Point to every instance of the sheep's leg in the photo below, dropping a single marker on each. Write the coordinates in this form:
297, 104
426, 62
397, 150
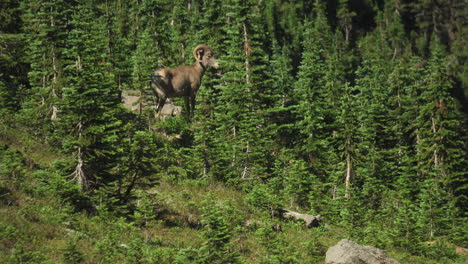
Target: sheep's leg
161, 102
187, 106
192, 101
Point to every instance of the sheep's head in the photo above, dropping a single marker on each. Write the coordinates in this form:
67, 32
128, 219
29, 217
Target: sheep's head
205, 55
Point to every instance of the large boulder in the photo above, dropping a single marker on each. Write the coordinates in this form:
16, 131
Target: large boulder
349, 252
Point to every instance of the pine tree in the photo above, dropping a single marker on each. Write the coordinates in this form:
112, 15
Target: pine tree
349, 138
13, 76
389, 22
240, 107
280, 118
115, 17
46, 24
404, 83
218, 247
145, 62
140, 161
234, 90
178, 35
88, 123
285, 22
207, 26
345, 17
313, 109
374, 115
440, 152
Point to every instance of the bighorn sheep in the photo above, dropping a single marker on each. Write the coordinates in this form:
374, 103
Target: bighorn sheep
183, 81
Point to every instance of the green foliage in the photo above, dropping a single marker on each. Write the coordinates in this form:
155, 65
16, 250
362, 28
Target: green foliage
145, 211
354, 110
276, 249
71, 253
12, 169
22, 255
263, 197
218, 247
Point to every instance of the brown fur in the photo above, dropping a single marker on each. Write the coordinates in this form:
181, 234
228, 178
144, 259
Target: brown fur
183, 81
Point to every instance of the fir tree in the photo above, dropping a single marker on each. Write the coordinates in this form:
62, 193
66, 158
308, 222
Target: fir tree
349, 139
89, 125
313, 103
115, 17
145, 62
345, 17
46, 24
207, 27
440, 152
241, 122
218, 247
13, 68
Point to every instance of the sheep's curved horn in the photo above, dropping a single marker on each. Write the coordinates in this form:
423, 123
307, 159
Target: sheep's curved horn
198, 51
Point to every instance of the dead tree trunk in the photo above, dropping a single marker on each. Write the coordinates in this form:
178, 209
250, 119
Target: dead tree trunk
348, 175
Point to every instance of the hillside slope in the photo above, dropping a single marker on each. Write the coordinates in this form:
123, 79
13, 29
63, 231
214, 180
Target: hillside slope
45, 219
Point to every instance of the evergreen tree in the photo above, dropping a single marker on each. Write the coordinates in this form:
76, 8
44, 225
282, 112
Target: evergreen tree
13, 76
240, 108
354, 110
120, 45
145, 62
345, 18
285, 22
389, 22
404, 83
314, 109
207, 27
217, 248
88, 124
349, 138
280, 117
374, 116
440, 153
47, 25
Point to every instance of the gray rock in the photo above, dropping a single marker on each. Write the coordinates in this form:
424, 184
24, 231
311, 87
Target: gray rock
170, 109
309, 220
133, 101
349, 252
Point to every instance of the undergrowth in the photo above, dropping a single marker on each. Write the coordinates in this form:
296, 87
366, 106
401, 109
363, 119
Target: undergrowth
43, 219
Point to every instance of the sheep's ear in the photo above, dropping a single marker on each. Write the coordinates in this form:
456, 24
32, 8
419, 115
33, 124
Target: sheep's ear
200, 53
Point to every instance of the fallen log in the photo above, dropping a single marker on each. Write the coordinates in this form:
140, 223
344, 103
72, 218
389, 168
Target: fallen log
309, 220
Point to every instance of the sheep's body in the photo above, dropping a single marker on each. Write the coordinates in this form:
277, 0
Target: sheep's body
183, 81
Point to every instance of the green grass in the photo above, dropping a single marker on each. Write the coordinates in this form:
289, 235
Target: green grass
34, 151
40, 230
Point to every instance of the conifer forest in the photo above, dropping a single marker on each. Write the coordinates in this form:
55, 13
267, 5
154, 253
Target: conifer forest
354, 110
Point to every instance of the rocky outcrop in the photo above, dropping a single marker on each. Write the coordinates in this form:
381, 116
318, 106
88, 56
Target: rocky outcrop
349, 252
133, 101
309, 220
170, 109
